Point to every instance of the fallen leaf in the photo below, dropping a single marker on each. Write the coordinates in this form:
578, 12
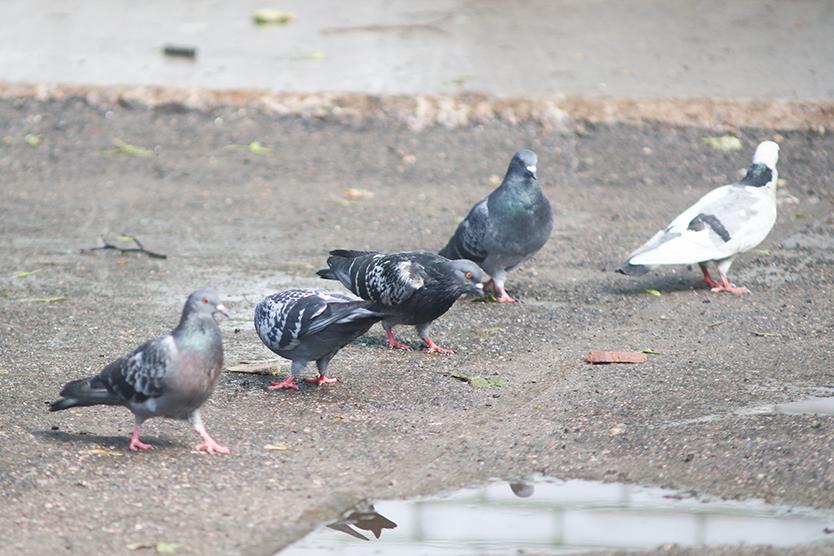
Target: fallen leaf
4, 372
650, 351
26, 274
764, 334
272, 16
279, 447
479, 381
614, 431
605, 357
168, 547
762, 251
33, 140
653, 292
723, 142
494, 180
131, 150
268, 369
126, 238
256, 148
489, 331
53, 299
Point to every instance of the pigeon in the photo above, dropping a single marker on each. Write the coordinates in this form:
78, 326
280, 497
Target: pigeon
414, 287
723, 223
311, 325
507, 227
170, 376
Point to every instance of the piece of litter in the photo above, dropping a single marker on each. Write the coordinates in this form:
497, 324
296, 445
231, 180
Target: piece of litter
356, 193
268, 369
723, 142
650, 351
279, 447
614, 431
180, 51
272, 16
606, 357
764, 334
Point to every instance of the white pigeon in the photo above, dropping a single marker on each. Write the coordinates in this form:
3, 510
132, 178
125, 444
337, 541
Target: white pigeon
723, 223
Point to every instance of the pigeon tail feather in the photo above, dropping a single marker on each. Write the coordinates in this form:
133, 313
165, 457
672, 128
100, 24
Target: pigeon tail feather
81, 393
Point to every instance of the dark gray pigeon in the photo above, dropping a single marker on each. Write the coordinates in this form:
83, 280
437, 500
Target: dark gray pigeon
170, 376
311, 325
414, 287
726, 221
508, 227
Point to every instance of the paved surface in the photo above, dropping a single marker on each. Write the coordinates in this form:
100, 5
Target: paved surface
396, 424
644, 48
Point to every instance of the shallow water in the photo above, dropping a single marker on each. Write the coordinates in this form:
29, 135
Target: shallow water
559, 517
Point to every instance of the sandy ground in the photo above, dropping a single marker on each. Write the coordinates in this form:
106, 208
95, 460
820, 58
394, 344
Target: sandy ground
396, 424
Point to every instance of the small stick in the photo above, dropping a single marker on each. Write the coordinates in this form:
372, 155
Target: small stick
138, 249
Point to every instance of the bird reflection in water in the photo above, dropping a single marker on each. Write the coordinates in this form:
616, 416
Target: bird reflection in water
366, 519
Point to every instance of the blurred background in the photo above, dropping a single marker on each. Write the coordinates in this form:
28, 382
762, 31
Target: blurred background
644, 48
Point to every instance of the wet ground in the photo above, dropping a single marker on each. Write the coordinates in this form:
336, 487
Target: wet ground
532, 48
396, 425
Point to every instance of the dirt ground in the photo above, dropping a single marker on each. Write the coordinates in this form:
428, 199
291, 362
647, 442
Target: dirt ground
396, 424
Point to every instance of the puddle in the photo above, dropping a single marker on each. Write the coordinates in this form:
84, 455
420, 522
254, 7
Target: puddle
561, 517
823, 406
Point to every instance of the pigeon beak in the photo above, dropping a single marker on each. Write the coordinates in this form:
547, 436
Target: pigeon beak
222, 310
532, 170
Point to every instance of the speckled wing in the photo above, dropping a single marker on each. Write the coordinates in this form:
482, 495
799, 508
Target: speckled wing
388, 279
468, 240
141, 374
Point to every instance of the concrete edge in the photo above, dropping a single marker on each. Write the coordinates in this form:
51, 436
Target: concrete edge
424, 111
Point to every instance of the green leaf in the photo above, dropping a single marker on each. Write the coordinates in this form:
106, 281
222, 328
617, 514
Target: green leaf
53, 299
650, 351
125, 237
762, 251
4, 372
26, 274
479, 381
272, 16
131, 150
654, 293
723, 142
168, 547
257, 148
33, 140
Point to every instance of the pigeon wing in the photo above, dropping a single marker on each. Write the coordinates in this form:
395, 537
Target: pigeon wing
468, 241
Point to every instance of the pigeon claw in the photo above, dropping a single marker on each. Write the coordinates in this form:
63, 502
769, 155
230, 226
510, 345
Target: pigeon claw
434, 348
726, 286
286, 384
394, 344
137, 445
321, 379
504, 297
209, 446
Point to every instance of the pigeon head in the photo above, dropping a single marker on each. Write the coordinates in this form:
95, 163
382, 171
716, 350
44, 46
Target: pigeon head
763, 171
767, 153
469, 277
523, 164
204, 302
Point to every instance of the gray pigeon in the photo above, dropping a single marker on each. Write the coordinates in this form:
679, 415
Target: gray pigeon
723, 223
413, 287
311, 325
508, 227
170, 376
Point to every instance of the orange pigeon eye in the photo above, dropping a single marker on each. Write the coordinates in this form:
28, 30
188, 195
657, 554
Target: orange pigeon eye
205, 300
468, 275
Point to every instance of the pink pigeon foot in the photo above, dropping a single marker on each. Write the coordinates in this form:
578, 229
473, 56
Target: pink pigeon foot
434, 348
504, 297
393, 343
711, 283
321, 379
726, 286
135, 444
209, 446
287, 383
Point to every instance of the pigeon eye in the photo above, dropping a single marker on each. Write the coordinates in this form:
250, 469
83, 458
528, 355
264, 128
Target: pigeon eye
205, 300
468, 275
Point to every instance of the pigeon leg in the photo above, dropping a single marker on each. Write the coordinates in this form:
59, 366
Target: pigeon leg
423, 331
136, 444
392, 341
209, 445
726, 286
322, 364
289, 382
504, 297
711, 283
498, 285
